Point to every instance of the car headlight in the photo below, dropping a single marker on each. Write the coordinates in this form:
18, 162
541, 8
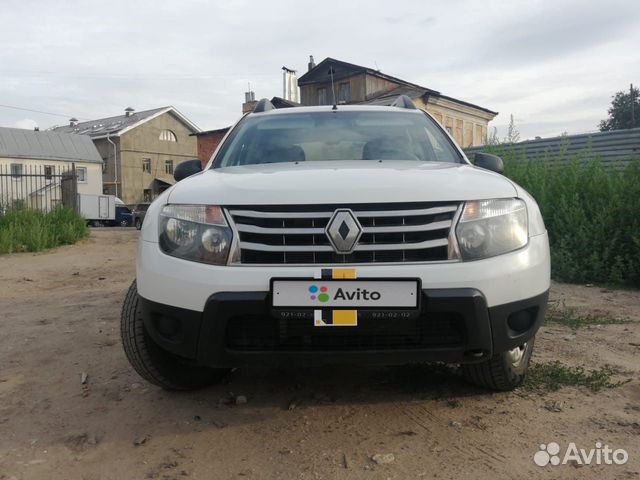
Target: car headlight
195, 232
492, 227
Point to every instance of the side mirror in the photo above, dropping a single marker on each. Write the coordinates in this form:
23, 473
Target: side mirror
489, 162
186, 169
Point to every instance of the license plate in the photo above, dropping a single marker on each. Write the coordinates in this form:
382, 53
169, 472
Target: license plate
345, 294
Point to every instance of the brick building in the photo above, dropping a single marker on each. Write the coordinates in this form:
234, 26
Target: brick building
208, 142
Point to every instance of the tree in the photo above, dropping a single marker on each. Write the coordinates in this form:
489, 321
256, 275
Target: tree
620, 111
513, 135
493, 137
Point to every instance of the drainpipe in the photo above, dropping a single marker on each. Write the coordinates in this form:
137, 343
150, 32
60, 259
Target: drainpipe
115, 163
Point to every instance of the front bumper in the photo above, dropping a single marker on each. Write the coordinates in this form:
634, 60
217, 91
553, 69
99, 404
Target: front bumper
502, 279
239, 328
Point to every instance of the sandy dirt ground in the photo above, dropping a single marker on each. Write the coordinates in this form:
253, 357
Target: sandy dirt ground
59, 317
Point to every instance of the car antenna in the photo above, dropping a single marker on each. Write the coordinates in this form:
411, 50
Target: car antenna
333, 89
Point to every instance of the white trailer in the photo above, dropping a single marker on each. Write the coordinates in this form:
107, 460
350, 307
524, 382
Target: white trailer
97, 209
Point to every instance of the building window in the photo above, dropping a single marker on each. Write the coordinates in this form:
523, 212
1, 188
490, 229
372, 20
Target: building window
168, 166
146, 194
146, 165
168, 136
344, 92
81, 174
48, 172
16, 170
322, 96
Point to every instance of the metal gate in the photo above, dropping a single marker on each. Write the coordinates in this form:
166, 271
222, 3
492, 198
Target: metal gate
38, 187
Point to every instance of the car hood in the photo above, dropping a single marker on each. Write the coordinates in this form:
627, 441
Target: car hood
341, 182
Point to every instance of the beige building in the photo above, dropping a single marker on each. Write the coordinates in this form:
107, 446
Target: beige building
33, 164
466, 122
140, 150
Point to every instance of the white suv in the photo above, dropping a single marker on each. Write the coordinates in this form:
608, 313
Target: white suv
344, 234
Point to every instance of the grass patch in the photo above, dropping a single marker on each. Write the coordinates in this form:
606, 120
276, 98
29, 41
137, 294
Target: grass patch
34, 231
569, 318
591, 213
551, 376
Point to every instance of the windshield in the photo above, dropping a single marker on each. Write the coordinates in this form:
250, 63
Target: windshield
347, 135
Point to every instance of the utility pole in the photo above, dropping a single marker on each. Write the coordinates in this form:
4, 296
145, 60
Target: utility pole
633, 104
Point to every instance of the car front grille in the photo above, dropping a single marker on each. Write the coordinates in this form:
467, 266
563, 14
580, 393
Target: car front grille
392, 233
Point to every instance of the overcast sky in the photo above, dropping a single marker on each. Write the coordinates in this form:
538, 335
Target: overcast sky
553, 64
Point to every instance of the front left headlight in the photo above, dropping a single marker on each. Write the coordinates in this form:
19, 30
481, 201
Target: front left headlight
492, 227
199, 233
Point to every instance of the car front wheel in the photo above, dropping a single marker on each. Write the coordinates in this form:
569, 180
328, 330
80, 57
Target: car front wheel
138, 224
504, 371
154, 364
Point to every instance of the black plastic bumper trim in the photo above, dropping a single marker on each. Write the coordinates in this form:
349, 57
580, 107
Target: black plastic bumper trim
201, 335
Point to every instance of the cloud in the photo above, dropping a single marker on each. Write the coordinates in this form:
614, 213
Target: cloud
26, 123
536, 61
551, 30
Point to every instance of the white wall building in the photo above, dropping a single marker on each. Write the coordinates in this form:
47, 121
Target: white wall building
32, 164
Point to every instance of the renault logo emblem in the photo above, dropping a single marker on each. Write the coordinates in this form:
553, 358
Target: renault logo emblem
343, 231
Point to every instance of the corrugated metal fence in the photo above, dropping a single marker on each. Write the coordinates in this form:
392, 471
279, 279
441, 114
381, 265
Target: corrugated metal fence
615, 148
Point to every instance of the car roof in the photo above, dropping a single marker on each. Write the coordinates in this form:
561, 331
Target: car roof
339, 108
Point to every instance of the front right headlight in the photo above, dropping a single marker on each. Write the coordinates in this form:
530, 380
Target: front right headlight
492, 227
199, 233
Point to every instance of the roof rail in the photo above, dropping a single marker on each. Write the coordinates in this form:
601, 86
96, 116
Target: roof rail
264, 105
403, 101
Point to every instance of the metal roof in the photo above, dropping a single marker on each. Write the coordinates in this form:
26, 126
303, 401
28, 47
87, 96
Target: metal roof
204, 133
47, 145
346, 69
340, 108
121, 123
387, 98
319, 74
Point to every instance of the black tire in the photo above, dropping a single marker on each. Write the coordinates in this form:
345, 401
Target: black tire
152, 362
138, 224
500, 372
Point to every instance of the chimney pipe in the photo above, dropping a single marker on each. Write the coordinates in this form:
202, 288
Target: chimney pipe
249, 101
312, 64
73, 121
129, 111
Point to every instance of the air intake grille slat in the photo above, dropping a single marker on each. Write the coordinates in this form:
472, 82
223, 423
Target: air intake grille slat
391, 233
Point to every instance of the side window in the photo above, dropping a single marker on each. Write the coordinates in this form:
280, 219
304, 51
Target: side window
81, 174
146, 165
168, 166
168, 136
16, 170
48, 172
